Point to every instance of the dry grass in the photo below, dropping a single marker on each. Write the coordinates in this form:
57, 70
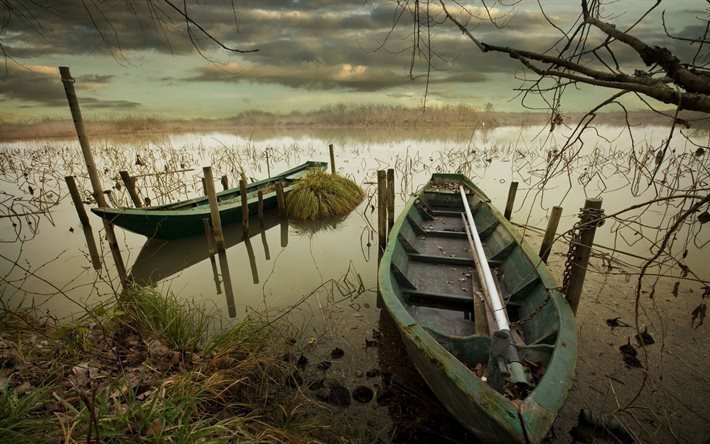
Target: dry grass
320, 195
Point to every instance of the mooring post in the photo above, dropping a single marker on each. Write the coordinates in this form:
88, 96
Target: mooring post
381, 212
227, 281
85, 224
130, 183
204, 186
280, 198
332, 159
209, 236
589, 219
245, 202
214, 208
260, 196
546, 245
225, 182
511, 200
390, 199
68, 83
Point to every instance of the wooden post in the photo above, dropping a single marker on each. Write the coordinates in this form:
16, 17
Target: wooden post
583, 250
252, 259
245, 202
390, 199
204, 186
209, 236
381, 212
86, 225
511, 200
130, 184
549, 238
68, 82
284, 232
225, 182
280, 198
332, 159
227, 280
214, 208
267, 253
260, 195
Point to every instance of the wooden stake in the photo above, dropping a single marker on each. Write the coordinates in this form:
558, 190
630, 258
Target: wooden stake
260, 195
130, 183
214, 208
280, 198
227, 280
511, 200
252, 259
210, 238
225, 182
582, 252
549, 238
68, 82
284, 232
381, 212
204, 186
245, 202
332, 159
390, 199
81, 211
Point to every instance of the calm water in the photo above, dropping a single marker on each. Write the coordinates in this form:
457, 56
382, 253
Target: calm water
326, 274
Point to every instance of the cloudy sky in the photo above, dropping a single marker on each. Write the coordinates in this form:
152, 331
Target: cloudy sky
135, 57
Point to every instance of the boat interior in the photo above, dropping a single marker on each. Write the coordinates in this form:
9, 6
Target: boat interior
437, 278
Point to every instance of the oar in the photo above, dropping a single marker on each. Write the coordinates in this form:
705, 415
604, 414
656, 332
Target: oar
502, 340
481, 306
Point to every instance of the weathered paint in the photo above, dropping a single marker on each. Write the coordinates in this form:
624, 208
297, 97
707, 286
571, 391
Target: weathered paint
181, 219
485, 412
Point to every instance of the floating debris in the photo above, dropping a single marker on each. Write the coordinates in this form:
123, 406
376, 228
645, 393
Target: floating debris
363, 394
338, 395
616, 323
324, 365
629, 355
645, 337
337, 353
594, 427
302, 362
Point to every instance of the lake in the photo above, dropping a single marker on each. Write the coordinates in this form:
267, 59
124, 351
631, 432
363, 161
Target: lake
324, 275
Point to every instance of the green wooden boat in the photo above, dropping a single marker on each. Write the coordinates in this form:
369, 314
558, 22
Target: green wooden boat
185, 218
432, 289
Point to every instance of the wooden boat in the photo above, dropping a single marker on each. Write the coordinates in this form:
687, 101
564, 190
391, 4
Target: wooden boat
432, 288
185, 218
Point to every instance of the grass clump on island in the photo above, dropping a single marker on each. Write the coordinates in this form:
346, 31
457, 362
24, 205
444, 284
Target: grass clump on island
320, 195
146, 369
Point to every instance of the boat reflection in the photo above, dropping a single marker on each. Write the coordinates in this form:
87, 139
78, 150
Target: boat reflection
160, 259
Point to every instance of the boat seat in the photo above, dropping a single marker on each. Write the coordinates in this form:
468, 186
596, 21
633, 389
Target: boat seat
438, 300
470, 350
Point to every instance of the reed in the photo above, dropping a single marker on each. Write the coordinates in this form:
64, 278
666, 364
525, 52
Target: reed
147, 368
320, 195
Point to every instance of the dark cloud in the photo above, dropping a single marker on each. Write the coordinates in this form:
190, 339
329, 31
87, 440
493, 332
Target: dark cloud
40, 86
308, 75
351, 45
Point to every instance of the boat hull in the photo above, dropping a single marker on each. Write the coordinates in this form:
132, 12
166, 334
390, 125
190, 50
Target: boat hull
427, 286
186, 218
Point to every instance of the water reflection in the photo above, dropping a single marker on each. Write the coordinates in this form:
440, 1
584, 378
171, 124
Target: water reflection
159, 259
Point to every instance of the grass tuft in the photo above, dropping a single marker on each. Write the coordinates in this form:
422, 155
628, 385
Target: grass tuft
320, 195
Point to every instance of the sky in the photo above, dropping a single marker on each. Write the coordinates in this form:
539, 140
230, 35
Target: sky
135, 58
